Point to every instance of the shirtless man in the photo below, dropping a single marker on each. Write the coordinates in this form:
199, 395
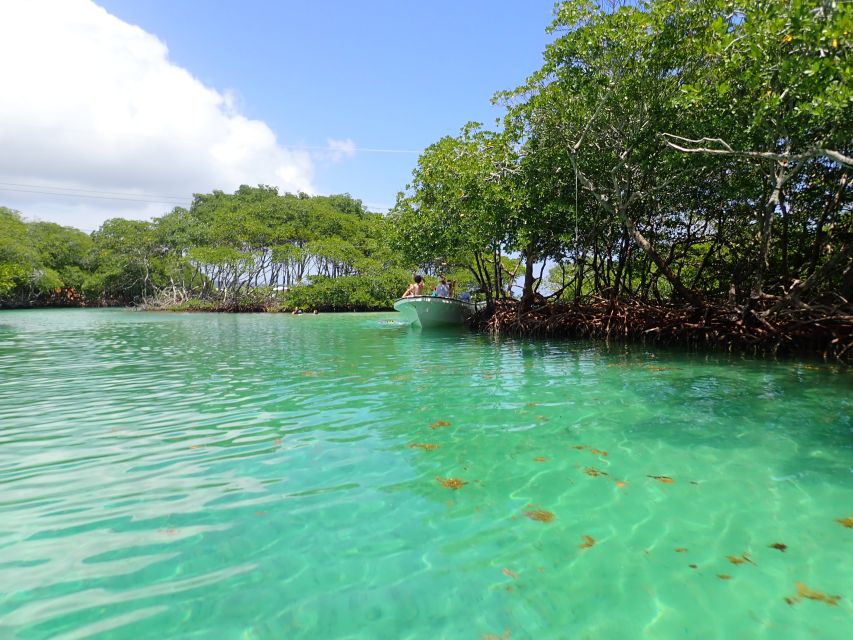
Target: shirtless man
416, 288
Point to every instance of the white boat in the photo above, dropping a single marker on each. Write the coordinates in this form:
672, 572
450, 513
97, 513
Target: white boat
432, 311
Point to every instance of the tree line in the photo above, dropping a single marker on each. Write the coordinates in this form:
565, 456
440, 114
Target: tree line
251, 249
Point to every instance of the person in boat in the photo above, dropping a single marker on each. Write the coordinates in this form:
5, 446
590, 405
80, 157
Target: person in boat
416, 288
442, 290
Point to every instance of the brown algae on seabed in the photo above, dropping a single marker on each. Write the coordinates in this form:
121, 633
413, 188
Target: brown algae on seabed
540, 515
741, 559
592, 450
588, 542
438, 424
426, 446
451, 483
804, 592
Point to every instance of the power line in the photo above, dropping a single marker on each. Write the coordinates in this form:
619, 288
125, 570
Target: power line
78, 195
347, 149
98, 191
295, 147
376, 207
148, 198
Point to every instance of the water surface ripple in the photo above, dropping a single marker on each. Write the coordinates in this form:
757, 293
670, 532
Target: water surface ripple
270, 476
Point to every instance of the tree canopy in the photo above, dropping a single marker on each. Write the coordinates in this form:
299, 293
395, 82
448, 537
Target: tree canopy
683, 150
255, 244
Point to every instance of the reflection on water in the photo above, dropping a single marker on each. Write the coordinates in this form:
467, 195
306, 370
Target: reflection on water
265, 476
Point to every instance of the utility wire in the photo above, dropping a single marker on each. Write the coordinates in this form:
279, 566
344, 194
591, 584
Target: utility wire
100, 192
78, 195
290, 147
147, 198
348, 149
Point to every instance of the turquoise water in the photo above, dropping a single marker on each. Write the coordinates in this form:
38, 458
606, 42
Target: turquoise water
252, 476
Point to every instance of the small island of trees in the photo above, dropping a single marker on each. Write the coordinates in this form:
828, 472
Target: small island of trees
676, 170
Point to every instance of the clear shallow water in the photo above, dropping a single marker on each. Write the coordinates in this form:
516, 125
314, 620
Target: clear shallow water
251, 476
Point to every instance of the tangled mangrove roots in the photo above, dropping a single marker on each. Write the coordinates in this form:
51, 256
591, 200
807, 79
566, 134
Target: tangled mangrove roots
822, 330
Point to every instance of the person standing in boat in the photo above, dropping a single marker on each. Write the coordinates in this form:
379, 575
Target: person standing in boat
416, 288
442, 290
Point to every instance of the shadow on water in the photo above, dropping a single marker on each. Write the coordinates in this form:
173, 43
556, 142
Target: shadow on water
734, 403
723, 402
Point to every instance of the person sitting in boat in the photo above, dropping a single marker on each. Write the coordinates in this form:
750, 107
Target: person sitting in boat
416, 288
442, 290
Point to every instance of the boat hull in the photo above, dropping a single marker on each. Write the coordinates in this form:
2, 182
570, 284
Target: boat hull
429, 311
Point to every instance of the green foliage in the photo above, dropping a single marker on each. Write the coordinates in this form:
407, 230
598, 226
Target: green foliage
348, 293
458, 210
227, 251
39, 259
63, 249
11, 275
666, 149
779, 71
16, 255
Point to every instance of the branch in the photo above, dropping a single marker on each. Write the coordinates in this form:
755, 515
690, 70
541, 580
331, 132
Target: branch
838, 157
598, 107
801, 287
724, 149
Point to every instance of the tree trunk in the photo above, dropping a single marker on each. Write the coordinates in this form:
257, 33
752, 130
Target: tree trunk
645, 245
826, 219
527, 288
620, 266
781, 176
621, 210
579, 268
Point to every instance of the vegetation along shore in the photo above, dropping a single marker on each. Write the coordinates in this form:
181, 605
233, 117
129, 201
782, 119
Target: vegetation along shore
677, 172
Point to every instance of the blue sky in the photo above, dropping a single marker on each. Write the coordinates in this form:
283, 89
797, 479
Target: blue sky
385, 74
370, 75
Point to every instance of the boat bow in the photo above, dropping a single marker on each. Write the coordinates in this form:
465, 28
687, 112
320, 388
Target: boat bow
432, 311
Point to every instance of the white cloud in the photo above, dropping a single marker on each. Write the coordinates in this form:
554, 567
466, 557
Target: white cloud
91, 102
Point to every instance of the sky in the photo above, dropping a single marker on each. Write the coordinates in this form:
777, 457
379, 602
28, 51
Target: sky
122, 108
